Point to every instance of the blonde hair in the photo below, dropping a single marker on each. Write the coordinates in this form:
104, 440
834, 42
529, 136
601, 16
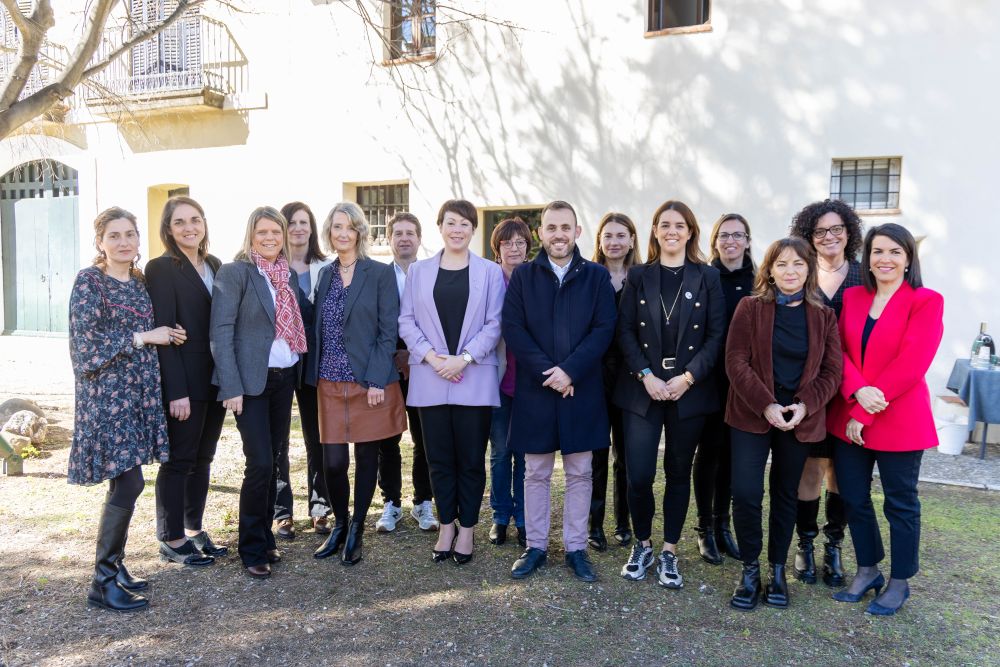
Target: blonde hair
359, 223
101, 222
258, 214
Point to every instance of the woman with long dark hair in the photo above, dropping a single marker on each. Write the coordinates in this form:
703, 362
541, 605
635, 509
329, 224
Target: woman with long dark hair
119, 423
670, 328
730, 254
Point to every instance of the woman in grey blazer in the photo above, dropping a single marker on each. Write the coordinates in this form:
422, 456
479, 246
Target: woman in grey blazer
357, 385
257, 338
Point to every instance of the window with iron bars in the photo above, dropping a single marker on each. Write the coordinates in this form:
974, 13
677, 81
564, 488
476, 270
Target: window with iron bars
666, 14
380, 203
412, 28
867, 183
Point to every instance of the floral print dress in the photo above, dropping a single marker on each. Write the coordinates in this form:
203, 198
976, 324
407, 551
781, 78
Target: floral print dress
120, 422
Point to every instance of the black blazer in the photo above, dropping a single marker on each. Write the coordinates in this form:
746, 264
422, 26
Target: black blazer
371, 316
701, 331
180, 297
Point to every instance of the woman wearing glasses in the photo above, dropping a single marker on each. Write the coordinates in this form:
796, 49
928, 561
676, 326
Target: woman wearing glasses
834, 230
730, 254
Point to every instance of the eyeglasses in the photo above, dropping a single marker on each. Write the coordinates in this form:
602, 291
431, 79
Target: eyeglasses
519, 244
736, 236
821, 232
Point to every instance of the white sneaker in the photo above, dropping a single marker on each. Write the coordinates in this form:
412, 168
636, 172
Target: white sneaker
424, 514
667, 573
640, 560
390, 517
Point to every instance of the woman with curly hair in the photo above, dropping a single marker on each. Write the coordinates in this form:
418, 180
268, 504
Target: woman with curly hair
834, 231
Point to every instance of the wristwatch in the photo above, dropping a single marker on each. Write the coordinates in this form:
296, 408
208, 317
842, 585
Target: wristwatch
641, 375
466, 356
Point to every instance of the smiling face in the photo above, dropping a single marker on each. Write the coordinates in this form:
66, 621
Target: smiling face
830, 237
513, 252
616, 241
267, 239
120, 242
558, 232
888, 260
672, 233
343, 236
187, 228
299, 229
730, 248
789, 271
456, 232
404, 241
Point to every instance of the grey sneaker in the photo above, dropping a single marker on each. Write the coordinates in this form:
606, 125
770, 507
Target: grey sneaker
390, 517
424, 514
640, 560
667, 573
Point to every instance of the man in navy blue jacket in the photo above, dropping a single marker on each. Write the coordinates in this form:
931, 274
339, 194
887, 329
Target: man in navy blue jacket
558, 320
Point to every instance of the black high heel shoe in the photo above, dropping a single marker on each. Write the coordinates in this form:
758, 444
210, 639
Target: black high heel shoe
460, 558
876, 585
442, 556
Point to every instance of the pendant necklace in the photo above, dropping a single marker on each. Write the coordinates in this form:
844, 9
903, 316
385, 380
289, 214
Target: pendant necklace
666, 314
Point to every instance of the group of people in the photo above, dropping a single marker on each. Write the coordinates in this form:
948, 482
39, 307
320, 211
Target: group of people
815, 359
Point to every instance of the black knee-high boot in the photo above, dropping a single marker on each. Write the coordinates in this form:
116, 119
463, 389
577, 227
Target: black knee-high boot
125, 578
807, 529
105, 591
833, 529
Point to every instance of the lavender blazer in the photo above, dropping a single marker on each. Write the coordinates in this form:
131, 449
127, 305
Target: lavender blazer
420, 328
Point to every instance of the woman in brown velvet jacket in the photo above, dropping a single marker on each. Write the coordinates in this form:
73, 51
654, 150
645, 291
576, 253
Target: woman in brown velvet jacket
784, 363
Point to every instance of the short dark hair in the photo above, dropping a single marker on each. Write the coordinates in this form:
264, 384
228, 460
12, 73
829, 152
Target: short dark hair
507, 229
804, 224
459, 207
559, 205
902, 237
313, 253
403, 216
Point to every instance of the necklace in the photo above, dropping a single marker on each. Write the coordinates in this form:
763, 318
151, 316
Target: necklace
666, 314
672, 270
836, 270
346, 269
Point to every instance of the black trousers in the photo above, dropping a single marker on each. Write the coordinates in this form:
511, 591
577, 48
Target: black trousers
749, 459
390, 461
599, 471
899, 472
182, 482
456, 455
263, 426
711, 475
319, 503
642, 444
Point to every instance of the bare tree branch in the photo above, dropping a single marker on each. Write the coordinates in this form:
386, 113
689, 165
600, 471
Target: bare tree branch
19, 19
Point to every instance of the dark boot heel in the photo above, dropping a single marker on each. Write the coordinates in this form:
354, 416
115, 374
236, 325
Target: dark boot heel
724, 537
334, 541
746, 597
833, 568
776, 592
352, 545
707, 546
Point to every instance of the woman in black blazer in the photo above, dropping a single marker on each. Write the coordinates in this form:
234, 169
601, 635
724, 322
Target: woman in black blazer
180, 287
258, 336
352, 367
671, 323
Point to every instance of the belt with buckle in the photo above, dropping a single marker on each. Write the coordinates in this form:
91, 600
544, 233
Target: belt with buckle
667, 363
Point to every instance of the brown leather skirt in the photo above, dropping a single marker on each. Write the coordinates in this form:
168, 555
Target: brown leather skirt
345, 416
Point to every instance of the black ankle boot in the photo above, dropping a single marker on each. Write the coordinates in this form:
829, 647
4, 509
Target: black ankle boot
352, 545
747, 593
776, 592
335, 540
805, 526
706, 542
833, 568
105, 591
724, 540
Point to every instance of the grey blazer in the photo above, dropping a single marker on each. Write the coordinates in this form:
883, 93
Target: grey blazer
242, 328
371, 311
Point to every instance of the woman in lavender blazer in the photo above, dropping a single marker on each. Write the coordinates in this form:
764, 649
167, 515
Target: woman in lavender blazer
450, 321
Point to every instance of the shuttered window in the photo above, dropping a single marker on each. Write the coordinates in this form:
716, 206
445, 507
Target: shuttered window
172, 59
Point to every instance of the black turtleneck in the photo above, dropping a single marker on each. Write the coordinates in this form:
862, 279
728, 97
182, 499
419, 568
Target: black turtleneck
735, 285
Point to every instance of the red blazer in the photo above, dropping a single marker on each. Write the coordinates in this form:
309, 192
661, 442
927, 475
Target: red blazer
900, 350
751, 372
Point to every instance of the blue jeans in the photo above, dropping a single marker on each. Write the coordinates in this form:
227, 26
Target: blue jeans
506, 469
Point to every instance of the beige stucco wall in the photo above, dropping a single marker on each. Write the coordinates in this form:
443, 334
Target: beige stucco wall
576, 104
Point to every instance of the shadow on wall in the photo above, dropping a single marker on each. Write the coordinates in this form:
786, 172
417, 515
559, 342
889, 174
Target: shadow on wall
209, 129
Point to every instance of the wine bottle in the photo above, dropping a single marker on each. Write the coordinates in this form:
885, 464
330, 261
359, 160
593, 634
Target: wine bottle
982, 349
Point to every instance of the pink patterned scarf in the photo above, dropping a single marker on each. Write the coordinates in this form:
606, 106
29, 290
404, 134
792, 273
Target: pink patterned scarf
287, 317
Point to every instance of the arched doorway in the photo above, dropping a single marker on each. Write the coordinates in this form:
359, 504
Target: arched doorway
39, 214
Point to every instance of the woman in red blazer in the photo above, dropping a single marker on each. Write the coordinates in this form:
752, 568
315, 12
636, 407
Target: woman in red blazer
783, 360
891, 327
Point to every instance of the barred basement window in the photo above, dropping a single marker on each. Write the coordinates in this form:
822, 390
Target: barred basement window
867, 184
380, 203
412, 28
667, 15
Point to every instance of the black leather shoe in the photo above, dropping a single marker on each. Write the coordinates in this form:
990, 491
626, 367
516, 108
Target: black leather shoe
706, 544
746, 597
352, 545
597, 539
776, 592
522, 537
105, 591
259, 571
530, 560
127, 581
335, 541
805, 558
498, 533
833, 567
185, 554
580, 564
623, 536
207, 547
724, 538
273, 556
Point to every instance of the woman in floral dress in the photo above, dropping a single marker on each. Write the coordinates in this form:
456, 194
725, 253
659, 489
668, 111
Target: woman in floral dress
119, 423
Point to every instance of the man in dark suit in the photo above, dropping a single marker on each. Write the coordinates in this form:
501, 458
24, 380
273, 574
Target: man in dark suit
558, 320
